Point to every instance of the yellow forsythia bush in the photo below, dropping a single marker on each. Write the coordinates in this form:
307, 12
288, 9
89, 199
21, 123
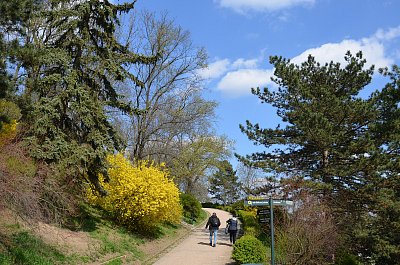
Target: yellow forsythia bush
9, 117
8, 132
139, 196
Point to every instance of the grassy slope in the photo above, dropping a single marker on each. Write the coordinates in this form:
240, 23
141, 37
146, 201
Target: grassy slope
97, 241
91, 237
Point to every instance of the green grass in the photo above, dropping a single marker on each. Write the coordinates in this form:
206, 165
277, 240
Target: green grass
115, 262
24, 248
5, 259
203, 216
21, 247
114, 239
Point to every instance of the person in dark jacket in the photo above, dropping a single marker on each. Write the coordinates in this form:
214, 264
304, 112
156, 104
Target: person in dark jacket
233, 226
213, 224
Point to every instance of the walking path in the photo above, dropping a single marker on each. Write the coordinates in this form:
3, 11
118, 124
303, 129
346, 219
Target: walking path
195, 249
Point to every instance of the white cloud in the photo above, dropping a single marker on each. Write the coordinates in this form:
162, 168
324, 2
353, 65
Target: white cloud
242, 63
242, 6
241, 75
220, 67
215, 69
239, 82
373, 49
388, 35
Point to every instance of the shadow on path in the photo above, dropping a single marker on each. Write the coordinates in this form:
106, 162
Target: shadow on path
196, 249
224, 244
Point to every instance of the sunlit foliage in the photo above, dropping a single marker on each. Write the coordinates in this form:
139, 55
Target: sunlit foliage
9, 116
139, 196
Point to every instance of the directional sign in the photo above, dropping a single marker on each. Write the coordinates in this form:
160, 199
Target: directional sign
264, 220
266, 202
263, 211
257, 198
282, 202
256, 202
260, 201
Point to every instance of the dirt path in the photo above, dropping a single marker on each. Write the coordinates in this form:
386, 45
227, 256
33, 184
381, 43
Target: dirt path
195, 249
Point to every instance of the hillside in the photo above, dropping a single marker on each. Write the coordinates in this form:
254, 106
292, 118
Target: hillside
98, 241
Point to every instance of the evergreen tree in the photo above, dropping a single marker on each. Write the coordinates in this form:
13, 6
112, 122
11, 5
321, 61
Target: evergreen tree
388, 129
14, 14
224, 185
69, 64
343, 145
325, 122
379, 236
3, 72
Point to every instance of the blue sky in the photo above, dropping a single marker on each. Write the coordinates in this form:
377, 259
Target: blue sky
240, 35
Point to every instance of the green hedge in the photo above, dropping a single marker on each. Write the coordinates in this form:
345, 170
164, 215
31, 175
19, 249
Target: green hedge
191, 207
249, 249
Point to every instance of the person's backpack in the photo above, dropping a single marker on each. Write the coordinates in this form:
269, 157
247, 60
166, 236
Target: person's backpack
233, 225
214, 222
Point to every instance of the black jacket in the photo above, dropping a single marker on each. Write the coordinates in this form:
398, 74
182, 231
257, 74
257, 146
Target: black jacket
210, 223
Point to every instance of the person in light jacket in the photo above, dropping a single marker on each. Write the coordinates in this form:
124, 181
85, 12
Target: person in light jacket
233, 226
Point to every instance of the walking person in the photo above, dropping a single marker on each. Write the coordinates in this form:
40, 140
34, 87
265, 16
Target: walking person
213, 224
233, 226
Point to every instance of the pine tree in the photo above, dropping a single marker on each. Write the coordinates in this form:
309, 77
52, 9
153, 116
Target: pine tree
321, 113
71, 64
224, 184
13, 15
325, 135
379, 236
343, 145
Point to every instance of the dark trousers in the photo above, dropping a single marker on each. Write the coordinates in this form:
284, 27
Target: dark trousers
232, 236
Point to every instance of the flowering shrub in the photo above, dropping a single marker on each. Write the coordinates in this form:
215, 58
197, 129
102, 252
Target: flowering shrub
139, 196
9, 115
249, 220
8, 132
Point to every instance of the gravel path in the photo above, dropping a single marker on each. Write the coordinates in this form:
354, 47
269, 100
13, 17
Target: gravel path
195, 249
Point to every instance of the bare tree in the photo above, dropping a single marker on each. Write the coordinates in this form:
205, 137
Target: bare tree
250, 178
255, 181
171, 100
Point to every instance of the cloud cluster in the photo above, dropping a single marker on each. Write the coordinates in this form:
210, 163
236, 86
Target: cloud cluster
243, 6
236, 78
241, 81
373, 49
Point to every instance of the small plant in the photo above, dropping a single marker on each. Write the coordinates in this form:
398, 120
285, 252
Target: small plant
347, 259
191, 207
249, 249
